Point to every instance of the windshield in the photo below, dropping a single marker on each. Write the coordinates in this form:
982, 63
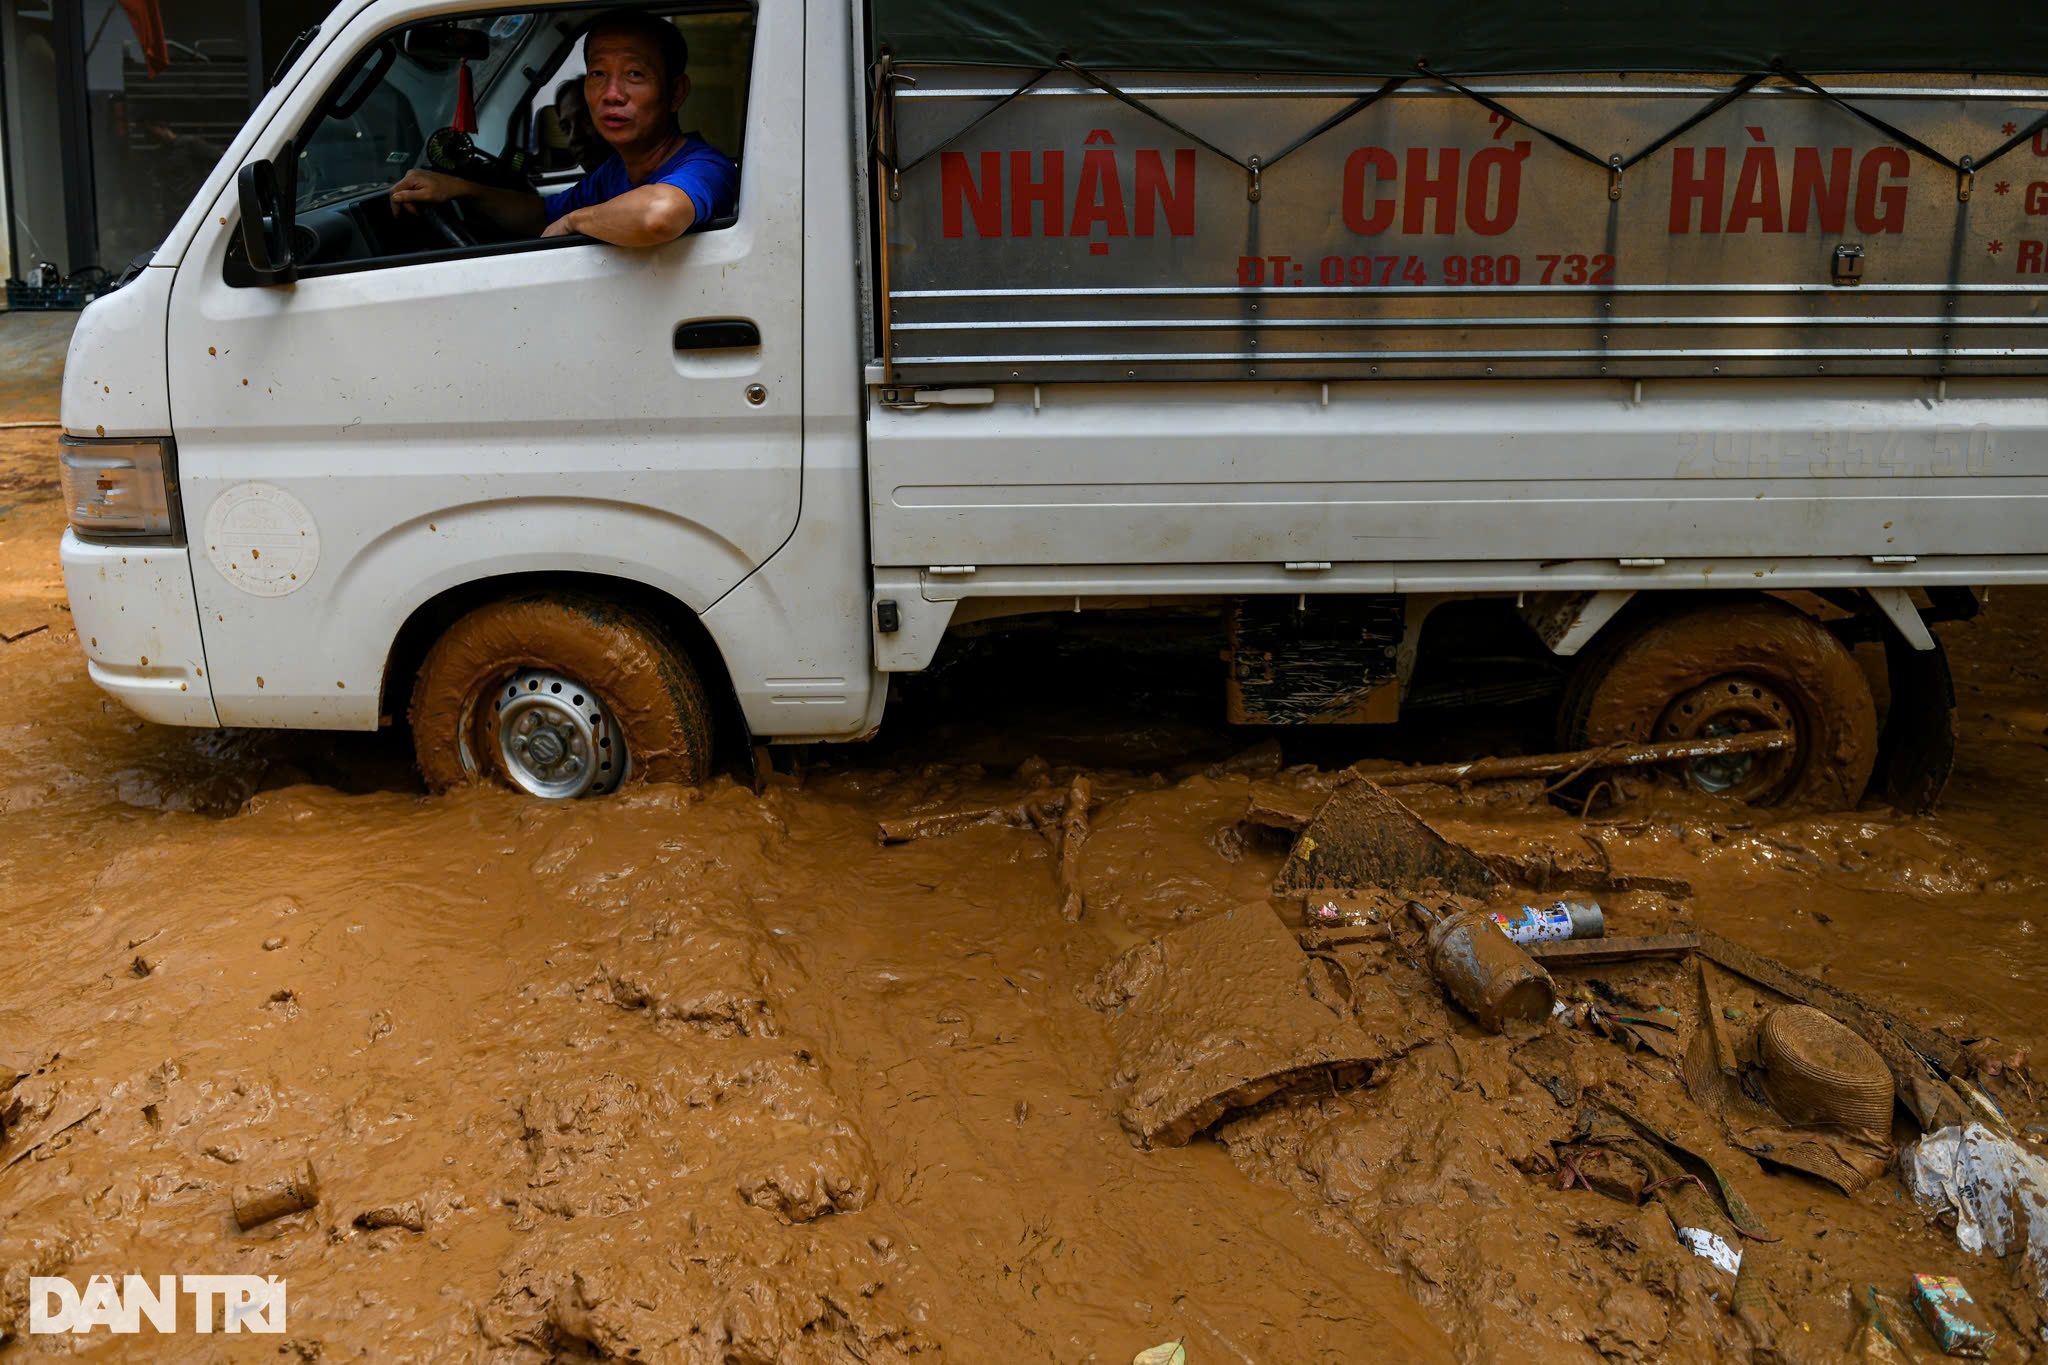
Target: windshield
376, 128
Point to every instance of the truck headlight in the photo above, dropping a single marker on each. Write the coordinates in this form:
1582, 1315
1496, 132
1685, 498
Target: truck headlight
120, 489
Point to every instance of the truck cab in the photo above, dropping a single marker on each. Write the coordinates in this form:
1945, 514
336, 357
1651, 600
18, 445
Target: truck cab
387, 424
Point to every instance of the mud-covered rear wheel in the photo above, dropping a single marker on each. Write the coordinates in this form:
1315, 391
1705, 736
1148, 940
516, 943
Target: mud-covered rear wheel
559, 696
1735, 668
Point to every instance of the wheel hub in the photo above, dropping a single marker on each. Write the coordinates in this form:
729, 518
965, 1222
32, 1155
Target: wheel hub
1733, 704
555, 738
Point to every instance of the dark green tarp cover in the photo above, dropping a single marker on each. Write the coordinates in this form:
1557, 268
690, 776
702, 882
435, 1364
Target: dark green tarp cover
1363, 38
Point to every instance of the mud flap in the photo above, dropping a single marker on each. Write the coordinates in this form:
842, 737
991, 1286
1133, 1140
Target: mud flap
1917, 750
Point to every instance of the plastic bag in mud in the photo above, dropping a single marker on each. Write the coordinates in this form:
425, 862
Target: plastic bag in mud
1996, 1191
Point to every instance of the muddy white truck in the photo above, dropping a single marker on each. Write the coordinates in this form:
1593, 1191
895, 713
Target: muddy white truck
1682, 352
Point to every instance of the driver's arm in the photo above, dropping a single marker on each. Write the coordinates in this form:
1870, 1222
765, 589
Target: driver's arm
513, 210
646, 216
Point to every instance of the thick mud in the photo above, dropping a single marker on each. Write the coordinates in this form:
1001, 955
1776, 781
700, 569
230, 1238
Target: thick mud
698, 1074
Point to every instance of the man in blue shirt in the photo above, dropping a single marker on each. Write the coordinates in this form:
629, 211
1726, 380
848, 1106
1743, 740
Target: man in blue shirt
657, 183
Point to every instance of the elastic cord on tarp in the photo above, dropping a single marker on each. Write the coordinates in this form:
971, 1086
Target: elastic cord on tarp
1966, 168
886, 151
1253, 166
1616, 165
888, 154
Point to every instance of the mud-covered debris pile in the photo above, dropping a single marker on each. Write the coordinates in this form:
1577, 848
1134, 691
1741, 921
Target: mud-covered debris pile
704, 1075
1661, 1071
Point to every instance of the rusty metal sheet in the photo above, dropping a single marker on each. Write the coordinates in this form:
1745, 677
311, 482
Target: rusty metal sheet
1363, 837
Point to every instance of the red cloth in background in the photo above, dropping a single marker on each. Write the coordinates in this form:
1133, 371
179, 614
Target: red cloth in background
148, 22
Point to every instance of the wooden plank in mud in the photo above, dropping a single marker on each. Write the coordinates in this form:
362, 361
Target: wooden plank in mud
1282, 806
1588, 952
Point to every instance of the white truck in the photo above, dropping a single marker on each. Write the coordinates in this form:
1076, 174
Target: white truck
1688, 356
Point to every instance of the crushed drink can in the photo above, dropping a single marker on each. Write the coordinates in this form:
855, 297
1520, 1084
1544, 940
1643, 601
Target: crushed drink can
1564, 919
1952, 1316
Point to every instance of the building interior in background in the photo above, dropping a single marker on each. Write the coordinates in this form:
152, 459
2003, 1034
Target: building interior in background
114, 111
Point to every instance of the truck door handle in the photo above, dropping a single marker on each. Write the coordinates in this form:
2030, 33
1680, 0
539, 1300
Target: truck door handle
716, 334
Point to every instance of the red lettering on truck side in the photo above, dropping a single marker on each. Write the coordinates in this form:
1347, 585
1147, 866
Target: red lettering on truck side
1420, 189
1381, 161
1756, 193
957, 192
1177, 196
967, 195
1688, 188
2037, 197
1811, 188
1048, 192
1495, 178
1100, 198
1820, 195
1882, 210
1491, 184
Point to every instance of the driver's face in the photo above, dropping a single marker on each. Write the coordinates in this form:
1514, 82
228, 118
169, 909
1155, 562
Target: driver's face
629, 101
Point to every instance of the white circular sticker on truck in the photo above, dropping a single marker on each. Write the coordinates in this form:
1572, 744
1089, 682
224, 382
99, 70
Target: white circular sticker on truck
262, 539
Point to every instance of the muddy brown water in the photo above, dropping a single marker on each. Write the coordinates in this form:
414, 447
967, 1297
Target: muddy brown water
701, 1075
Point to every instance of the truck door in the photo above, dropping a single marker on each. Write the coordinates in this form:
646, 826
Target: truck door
412, 414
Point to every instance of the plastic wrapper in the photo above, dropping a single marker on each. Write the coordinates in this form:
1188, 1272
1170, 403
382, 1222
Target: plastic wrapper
1995, 1190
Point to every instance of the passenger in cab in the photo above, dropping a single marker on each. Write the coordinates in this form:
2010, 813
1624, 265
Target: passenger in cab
658, 182
572, 114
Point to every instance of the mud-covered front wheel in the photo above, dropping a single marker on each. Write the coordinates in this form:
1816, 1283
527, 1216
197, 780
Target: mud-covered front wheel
560, 697
1735, 668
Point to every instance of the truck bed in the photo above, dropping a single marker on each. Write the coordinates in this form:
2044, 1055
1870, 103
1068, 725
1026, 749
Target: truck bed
1069, 235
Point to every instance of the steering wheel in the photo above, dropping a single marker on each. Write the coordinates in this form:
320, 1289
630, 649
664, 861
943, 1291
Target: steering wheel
447, 223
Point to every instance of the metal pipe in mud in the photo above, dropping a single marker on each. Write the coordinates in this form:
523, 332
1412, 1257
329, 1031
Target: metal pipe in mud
1621, 755
295, 1192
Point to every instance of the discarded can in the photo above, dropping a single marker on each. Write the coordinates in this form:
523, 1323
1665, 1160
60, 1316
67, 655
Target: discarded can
1565, 919
1952, 1315
1484, 970
294, 1193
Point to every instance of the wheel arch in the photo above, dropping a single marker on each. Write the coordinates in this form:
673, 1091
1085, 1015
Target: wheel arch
1750, 660
1917, 745
1873, 619
431, 618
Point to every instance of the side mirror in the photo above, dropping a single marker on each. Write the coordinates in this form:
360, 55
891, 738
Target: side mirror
267, 222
